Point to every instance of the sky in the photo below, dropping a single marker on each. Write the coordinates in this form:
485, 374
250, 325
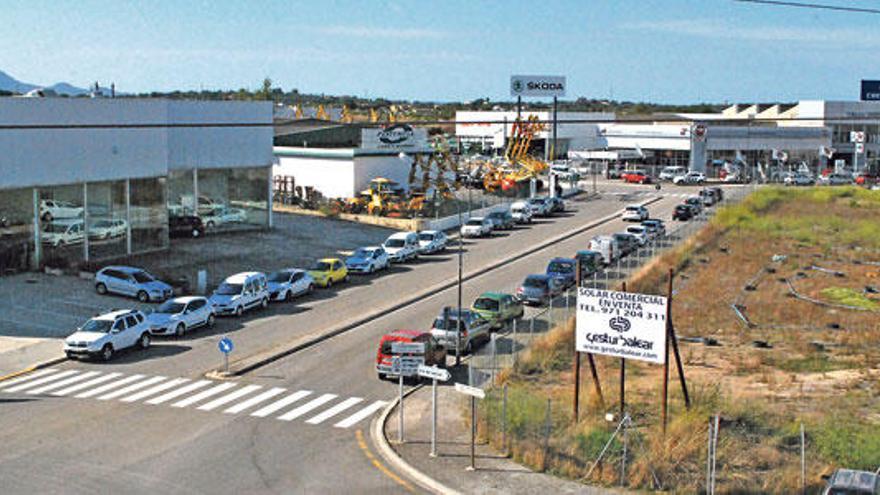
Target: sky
664, 51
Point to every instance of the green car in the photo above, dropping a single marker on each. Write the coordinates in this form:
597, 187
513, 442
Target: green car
591, 262
498, 308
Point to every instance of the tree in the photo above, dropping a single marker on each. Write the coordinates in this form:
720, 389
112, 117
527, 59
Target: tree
265, 92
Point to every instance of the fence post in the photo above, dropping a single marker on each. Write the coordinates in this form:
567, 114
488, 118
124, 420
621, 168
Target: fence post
803, 461
515, 349
504, 446
709, 457
550, 313
494, 354
546, 438
623, 459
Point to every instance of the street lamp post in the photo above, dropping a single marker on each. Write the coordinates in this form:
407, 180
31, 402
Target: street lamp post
458, 318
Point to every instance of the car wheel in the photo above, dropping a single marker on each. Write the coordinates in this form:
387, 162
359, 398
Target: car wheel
209, 225
180, 330
211, 321
469, 347
239, 311
382, 376
144, 341
329, 283
288, 296
264, 303
101, 288
196, 233
346, 278
107, 352
143, 296
311, 288
69, 355
371, 270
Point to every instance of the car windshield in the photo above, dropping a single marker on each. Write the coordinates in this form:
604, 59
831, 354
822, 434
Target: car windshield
486, 304
632, 208
426, 237
449, 324
395, 243
279, 277
171, 307
535, 282
474, 221
100, 326
361, 253
635, 230
142, 277
229, 289
560, 267
57, 228
681, 208
536, 201
496, 214
321, 266
103, 224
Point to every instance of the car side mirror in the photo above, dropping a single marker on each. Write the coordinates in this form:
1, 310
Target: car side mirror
114, 331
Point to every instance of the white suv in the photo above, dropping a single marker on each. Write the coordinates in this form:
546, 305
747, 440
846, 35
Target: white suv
635, 213
104, 335
521, 212
477, 227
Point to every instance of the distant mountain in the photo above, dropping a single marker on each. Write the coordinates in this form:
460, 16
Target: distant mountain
9, 83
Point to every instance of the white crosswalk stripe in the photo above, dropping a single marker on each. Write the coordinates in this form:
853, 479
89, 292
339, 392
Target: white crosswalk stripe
277, 405
241, 406
110, 386
131, 388
40, 381
226, 399
154, 390
307, 407
181, 391
361, 415
26, 377
90, 383
62, 383
333, 411
203, 395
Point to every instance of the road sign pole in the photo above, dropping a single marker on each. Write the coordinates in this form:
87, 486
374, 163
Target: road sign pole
665, 400
400, 408
434, 417
226, 362
577, 355
623, 375
473, 466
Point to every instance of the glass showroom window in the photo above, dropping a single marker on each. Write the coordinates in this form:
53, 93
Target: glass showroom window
233, 199
16, 230
148, 215
62, 232
249, 191
181, 190
106, 219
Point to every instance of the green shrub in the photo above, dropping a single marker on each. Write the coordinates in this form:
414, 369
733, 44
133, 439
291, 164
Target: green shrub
849, 297
848, 442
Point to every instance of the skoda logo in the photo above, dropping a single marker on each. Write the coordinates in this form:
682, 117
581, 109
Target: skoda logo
517, 86
396, 134
619, 324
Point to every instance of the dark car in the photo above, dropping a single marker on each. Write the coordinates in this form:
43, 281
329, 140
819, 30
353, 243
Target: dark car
683, 213
185, 226
501, 220
719, 192
564, 270
591, 261
627, 242
538, 289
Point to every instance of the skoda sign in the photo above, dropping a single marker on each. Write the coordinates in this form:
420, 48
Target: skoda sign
537, 86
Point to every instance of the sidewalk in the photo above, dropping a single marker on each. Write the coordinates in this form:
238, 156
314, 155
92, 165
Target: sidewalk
494, 474
19, 353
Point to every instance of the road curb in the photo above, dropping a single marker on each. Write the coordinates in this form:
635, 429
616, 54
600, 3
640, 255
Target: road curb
34, 367
380, 441
276, 355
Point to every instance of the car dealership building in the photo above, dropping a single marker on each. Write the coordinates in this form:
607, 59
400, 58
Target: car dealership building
89, 179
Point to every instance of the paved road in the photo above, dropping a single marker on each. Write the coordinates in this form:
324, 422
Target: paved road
199, 437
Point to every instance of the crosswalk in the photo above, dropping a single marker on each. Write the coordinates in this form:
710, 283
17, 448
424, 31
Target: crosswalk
634, 194
231, 398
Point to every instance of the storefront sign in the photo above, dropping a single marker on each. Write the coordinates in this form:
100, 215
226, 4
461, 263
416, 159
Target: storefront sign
870, 90
537, 86
621, 324
395, 137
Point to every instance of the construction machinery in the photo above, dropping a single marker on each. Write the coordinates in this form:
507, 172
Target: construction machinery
518, 165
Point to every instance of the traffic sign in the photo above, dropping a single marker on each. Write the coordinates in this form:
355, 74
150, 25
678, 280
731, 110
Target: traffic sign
434, 373
857, 136
407, 348
225, 345
468, 390
406, 365
860, 147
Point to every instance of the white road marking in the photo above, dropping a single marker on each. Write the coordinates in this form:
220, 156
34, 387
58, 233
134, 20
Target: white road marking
203, 395
360, 415
308, 406
154, 390
95, 391
26, 377
40, 381
333, 411
268, 394
90, 383
62, 383
226, 399
181, 391
131, 388
290, 399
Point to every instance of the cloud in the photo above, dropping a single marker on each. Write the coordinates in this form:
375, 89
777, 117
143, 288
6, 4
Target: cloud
713, 28
377, 32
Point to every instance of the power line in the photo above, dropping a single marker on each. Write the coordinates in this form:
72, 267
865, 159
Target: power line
861, 10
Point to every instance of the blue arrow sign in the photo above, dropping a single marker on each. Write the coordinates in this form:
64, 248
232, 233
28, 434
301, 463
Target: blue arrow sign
225, 345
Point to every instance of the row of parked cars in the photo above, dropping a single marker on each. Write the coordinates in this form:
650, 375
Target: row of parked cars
676, 175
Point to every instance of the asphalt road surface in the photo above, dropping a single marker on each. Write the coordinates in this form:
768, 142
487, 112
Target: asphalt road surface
151, 422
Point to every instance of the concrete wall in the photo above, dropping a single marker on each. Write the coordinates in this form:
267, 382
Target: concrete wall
333, 177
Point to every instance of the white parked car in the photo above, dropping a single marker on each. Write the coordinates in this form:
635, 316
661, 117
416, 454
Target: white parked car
477, 227
367, 260
286, 284
607, 246
180, 315
521, 212
432, 241
635, 213
222, 215
107, 229
690, 178
51, 209
104, 335
63, 232
241, 292
402, 247
640, 232
540, 206
670, 173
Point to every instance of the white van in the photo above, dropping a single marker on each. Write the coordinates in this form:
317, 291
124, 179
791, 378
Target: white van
402, 247
607, 246
241, 292
669, 173
521, 212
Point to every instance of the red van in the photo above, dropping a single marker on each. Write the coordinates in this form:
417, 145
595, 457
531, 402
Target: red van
435, 354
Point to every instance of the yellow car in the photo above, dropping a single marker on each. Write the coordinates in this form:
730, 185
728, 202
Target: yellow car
329, 271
